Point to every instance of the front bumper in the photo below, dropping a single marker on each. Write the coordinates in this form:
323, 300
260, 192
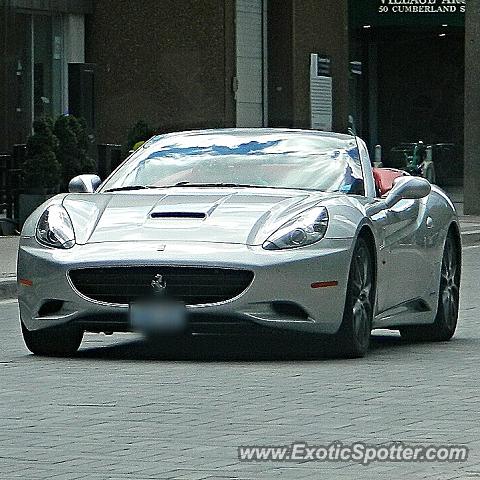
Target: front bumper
280, 276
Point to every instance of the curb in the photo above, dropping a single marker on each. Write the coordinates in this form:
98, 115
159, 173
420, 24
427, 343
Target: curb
470, 239
8, 286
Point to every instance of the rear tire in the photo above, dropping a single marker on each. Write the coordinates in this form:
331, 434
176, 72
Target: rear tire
353, 338
53, 342
446, 319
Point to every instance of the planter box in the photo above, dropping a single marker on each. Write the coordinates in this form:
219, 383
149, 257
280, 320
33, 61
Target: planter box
7, 227
28, 203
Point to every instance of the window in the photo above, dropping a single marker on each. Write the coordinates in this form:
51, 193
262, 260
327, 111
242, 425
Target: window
46, 43
48, 55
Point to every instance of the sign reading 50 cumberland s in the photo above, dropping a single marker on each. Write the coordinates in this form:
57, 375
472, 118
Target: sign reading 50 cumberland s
422, 6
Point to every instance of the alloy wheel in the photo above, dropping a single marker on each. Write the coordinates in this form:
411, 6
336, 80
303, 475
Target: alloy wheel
353, 337
449, 285
445, 324
361, 295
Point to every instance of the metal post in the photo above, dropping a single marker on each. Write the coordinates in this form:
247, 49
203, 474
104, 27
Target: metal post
378, 156
472, 109
429, 157
4, 193
15, 172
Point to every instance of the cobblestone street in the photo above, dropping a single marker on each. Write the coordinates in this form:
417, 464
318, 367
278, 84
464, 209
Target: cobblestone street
121, 410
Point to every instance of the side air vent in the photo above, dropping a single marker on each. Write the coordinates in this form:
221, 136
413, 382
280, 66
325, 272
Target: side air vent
50, 307
195, 215
289, 309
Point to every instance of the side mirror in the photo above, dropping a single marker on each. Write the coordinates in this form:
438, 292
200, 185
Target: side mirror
405, 188
408, 188
84, 184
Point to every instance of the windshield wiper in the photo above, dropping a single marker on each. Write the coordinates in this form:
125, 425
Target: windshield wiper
181, 184
127, 187
231, 185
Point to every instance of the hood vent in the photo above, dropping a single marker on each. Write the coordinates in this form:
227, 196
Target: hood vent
189, 215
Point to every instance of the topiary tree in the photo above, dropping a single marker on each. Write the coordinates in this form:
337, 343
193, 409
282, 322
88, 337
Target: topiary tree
140, 132
41, 171
72, 151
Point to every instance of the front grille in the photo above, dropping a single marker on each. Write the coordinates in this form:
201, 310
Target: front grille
191, 285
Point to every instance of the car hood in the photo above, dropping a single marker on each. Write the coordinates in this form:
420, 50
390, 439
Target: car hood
241, 216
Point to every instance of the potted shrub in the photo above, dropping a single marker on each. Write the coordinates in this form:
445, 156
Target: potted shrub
72, 151
41, 171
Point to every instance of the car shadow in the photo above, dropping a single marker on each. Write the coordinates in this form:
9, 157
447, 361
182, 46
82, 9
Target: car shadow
232, 348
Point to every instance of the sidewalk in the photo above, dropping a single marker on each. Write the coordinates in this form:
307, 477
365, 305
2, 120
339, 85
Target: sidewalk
8, 267
469, 224
470, 229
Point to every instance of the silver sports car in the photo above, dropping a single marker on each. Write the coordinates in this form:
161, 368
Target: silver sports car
240, 231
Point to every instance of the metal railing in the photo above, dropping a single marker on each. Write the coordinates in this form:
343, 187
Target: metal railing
10, 181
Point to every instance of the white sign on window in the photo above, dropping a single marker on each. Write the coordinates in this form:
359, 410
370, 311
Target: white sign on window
321, 97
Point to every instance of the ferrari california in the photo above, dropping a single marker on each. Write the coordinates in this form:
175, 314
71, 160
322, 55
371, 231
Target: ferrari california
242, 231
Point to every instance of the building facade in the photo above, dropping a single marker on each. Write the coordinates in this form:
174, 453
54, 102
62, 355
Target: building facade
38, 40
213, 63
389, 70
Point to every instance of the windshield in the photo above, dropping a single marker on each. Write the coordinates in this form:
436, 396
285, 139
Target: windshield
292, 160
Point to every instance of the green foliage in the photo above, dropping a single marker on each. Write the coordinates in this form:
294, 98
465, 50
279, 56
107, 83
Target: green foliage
56, 152
72, 151
140, 132
41, 169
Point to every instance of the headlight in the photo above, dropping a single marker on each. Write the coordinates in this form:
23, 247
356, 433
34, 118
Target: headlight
55, 228
307, 228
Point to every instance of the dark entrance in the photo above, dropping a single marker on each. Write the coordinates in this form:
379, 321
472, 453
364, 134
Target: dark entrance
411, 87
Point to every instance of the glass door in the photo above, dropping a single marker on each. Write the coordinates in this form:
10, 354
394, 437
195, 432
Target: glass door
47, 66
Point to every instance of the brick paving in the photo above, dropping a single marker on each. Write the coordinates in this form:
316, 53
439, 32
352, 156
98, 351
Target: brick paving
123, 410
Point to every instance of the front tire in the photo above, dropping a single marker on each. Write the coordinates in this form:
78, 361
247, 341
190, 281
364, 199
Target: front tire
446, 319
53, 342
353, 338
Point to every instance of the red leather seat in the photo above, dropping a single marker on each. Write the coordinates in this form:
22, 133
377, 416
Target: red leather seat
385, 177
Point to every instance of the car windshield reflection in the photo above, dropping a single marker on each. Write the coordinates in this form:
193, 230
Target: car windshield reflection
272, 160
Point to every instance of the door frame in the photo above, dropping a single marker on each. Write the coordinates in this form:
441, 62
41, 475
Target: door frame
264, 63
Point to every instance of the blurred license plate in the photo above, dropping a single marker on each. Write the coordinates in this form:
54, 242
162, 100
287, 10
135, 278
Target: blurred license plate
158, 316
